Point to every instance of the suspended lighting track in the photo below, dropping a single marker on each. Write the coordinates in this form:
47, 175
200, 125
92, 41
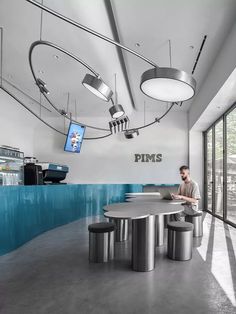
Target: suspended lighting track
168, 79
40, 83
50, 44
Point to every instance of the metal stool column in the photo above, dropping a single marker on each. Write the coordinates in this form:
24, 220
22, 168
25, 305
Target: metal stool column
180, 240
143, 244
122, 229
101, 242
160, 223
196, 220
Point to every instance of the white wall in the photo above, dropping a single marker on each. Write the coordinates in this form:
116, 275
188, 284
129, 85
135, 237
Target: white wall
109, 160
196, 160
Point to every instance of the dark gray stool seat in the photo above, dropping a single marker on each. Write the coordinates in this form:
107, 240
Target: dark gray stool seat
180, 240
101, 227
196, 220
101, 242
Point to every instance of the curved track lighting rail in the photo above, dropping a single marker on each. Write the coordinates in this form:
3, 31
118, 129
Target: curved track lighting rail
157, 120
43, 121
50, 44
101, 36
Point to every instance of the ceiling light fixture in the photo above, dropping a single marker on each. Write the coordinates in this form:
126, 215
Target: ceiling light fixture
96, 85
168, 84
116, 111
119, 125
129, 134
40, 82
165, 84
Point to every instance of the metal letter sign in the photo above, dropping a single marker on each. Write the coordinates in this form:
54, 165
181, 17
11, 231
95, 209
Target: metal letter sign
147, 157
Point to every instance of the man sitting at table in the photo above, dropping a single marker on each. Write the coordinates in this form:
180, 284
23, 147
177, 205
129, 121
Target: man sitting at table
188, 192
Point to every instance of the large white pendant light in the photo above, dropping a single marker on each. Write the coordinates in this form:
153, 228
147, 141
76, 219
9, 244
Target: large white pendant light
97, 87
168, 84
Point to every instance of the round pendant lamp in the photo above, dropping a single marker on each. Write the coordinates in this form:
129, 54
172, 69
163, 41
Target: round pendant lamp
116, 111
96, 85
168, 84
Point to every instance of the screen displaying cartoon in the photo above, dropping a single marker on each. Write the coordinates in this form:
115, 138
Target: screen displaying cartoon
74, 138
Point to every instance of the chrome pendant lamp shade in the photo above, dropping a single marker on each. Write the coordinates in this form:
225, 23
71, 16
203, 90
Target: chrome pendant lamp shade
97, 87
168, 84
129, 134
116, 111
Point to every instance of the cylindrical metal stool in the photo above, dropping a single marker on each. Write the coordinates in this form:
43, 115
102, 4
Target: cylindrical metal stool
160, 230
101, 242
196, 220
143, 243
122, 229
180, 240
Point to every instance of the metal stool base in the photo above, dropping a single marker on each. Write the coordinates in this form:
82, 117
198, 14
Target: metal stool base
180, 245
101, 247
197, 225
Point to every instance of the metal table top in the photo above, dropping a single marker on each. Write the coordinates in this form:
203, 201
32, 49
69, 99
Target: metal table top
134, 209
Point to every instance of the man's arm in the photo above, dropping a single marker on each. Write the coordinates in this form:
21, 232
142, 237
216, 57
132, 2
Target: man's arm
185, 198
195, 195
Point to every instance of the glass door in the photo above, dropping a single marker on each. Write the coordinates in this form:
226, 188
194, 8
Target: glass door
209, 169
218, 166
231, 166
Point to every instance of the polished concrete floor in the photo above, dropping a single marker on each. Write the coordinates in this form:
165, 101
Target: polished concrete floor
51, 274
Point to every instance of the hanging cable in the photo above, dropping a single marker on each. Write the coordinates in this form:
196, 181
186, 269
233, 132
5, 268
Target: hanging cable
41, 24
157, 120
170, 54
68, 103
144, 112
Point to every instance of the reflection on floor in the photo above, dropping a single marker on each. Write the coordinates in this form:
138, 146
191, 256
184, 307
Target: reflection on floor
51, 274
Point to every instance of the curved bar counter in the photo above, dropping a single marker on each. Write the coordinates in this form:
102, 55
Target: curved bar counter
27, 211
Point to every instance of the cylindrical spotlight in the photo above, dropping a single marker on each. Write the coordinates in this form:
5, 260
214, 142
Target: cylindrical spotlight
131, 133
116, 111
97, 87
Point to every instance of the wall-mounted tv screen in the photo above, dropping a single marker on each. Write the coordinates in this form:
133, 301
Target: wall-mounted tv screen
74, 138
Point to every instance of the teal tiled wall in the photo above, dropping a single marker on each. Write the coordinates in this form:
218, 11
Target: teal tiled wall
27, 211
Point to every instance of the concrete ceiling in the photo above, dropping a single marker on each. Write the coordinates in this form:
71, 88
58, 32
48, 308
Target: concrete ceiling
149, 23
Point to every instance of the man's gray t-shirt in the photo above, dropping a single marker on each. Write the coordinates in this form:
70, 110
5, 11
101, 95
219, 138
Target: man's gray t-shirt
190, 189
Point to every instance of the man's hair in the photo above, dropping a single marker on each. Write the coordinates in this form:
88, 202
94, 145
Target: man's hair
183, 168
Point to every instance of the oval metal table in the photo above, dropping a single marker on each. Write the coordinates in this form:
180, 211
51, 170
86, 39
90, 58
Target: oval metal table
147, 220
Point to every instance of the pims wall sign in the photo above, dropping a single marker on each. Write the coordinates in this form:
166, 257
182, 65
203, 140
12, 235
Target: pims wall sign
147, 157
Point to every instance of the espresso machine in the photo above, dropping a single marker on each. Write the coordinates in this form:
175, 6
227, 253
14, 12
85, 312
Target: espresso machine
33, 174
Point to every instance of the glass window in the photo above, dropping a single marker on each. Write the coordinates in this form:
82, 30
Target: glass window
209, 170
231, 165
219, 168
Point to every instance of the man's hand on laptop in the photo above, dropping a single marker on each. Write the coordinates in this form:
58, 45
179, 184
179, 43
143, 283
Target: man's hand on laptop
176, 196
